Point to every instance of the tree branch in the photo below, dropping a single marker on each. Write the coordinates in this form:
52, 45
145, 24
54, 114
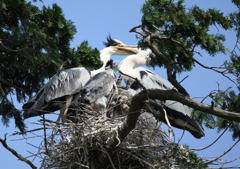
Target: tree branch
168, 66
212, 142
213, 68
15, 153
223, 153
134, 30
134, 112
176, 96
18, 50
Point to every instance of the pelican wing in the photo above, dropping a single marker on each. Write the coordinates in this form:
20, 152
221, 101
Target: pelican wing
66, 82
98, 86
178, 114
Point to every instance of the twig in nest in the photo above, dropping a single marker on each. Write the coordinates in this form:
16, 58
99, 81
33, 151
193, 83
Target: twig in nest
119, 141
45, 134
170, 130
29, 131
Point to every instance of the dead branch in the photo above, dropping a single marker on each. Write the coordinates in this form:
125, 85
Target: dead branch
15, 153
212, 142
214, 69
134, 29
223, 153
37, 129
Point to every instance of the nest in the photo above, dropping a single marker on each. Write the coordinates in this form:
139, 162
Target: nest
85, 143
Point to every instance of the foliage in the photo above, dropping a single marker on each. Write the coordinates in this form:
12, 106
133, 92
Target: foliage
88, 57
186, 158
236, 2
176, 31
34, 43
226, 100
230, 98
180, 31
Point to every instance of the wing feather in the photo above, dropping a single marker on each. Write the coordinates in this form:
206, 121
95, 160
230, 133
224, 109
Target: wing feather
100, 85
66, 82
179, 114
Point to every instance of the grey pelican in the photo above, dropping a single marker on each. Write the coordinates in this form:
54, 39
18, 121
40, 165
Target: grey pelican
64, 87
99, 89
178, 114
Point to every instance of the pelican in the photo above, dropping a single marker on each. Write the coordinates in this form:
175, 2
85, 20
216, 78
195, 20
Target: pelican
99, 89
178, 114
64, 87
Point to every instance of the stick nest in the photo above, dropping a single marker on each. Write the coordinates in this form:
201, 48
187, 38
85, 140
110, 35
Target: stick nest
83, 143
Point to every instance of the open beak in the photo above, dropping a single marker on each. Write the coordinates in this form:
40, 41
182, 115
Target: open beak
129, 49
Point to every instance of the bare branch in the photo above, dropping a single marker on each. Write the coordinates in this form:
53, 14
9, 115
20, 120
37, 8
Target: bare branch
138, 32
213, 68
223, 153
134, 28
15, 153
37, 129
212, 142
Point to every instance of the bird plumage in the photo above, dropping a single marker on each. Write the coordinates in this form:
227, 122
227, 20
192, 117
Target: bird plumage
99, 88
179, 114
52, 96
64, 87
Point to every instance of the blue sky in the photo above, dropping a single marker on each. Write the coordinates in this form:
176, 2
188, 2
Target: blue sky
97, 19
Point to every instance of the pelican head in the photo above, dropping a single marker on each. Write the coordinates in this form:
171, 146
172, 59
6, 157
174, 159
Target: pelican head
111, 49
116, 47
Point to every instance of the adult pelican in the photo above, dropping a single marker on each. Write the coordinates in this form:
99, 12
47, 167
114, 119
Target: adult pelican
178, 114
64, 87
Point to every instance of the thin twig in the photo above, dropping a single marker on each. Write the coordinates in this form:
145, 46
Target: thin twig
15, 153
212, 142
45, 135
221, 72
223, 153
